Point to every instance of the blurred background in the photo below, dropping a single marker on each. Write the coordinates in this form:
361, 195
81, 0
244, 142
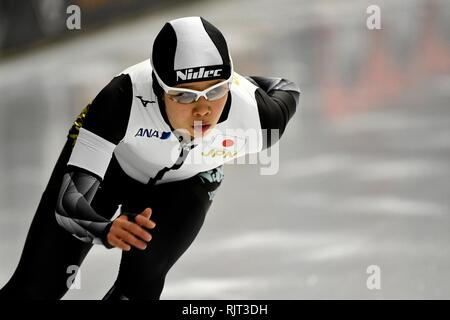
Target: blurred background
364, 175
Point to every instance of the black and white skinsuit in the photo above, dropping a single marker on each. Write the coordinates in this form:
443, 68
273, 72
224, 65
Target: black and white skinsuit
122, 151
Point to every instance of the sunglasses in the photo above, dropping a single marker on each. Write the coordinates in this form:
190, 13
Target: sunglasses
186, 96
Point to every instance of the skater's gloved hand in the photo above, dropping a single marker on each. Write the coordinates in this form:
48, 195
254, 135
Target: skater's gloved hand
125, 233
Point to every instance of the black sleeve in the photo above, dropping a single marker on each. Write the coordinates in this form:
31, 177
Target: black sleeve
107, 117
277, 101
73, 210
110, 110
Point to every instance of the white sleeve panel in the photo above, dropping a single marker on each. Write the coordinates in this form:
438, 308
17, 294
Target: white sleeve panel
92, 152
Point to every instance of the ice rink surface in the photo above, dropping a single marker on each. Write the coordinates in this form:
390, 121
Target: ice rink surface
362, 175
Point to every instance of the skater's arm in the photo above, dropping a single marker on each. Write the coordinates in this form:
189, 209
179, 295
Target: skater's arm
73, 210
102, 129
277, 100
75, 214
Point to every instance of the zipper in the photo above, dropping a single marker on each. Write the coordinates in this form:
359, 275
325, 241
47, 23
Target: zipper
185, 148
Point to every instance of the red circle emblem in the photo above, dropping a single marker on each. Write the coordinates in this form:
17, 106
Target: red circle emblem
227, 143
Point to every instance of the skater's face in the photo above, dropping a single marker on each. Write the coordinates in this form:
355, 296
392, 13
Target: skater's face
204, 114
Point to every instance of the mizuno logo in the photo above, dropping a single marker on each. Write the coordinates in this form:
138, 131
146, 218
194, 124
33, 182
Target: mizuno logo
145, 102
152, 133
197, 73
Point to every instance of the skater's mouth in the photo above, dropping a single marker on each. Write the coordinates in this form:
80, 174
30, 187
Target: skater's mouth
202, 128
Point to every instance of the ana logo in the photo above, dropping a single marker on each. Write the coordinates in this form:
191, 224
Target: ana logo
145, 102
197, 73
152, 133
